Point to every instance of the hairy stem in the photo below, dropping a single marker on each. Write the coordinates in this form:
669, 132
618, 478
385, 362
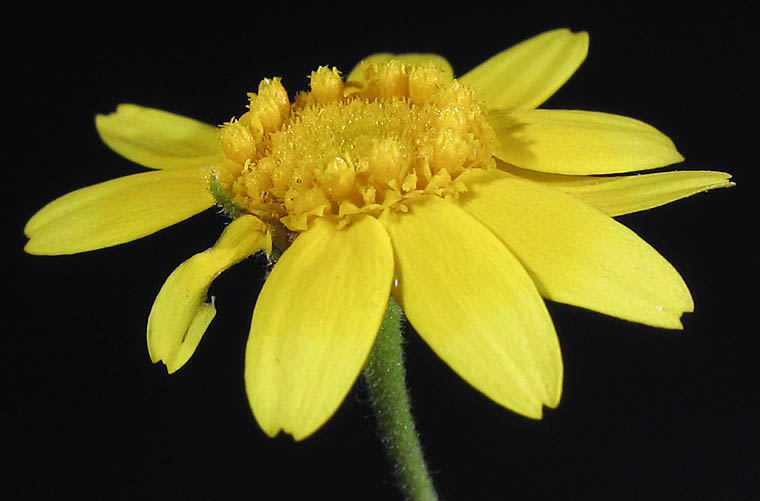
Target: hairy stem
385, 377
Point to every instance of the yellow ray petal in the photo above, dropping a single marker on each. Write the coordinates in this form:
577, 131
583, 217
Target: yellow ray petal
118, 211
357, 74
627, 194
476, 307
159, 139
580, 142
618, 195
180, 314
315, 323
576, 254
527, 74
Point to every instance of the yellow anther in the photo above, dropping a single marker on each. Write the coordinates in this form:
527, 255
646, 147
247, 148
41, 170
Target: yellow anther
392, 80
266, 166
227, 171
265, 110
257, 183
275, 91
387, 160
269, 107
281, 180
251, 121
450, 153
338, 178
326, 85
423, 83
237, 141
300, 201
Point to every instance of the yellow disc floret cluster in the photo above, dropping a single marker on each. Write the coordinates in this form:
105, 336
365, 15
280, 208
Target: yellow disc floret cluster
347, 148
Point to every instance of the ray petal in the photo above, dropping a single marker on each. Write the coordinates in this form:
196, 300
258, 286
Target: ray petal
527, 74
580, 142
158, 139
619, 195
180, 314
475, 306
315, 323
118, 211
576, 254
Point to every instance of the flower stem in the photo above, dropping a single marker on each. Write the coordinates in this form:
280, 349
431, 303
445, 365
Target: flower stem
385, 377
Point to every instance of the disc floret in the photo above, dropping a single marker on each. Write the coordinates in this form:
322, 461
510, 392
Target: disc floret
352, 147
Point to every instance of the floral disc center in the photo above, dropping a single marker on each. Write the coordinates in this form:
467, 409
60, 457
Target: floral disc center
353, 147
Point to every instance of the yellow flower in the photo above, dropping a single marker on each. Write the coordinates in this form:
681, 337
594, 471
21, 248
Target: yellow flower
457, 196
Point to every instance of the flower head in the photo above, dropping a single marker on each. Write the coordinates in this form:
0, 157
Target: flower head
345, 149
456, 195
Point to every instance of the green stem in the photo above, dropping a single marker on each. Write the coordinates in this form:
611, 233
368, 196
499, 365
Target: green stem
385, 377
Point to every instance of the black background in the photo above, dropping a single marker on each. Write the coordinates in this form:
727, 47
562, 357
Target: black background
646, 413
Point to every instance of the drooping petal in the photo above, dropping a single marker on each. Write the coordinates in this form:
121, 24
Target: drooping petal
180, 313
474, 304
580, 142
315, 323
618, 195
628, 194
357, 74
159, 139
118, 211
577, 255
527, 74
